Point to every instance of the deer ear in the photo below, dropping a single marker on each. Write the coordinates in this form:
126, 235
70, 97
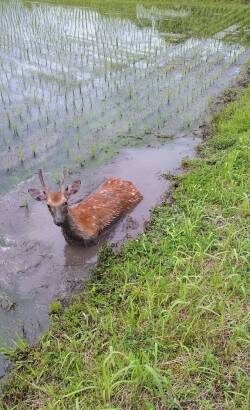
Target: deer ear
73, 188
37, 194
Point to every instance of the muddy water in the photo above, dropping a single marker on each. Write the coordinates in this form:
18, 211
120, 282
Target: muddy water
37, 266
107, 82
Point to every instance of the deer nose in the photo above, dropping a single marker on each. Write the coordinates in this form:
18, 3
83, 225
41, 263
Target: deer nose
58, 221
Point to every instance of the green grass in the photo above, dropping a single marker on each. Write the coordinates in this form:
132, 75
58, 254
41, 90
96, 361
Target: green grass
163, 325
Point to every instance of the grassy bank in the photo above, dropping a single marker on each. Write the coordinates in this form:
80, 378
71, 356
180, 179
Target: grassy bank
164, 324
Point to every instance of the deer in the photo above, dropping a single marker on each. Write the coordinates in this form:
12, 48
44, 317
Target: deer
83, 222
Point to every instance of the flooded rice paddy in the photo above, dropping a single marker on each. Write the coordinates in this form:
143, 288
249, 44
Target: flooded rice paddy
78, 85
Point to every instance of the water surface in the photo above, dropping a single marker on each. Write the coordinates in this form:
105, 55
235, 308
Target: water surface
76, 84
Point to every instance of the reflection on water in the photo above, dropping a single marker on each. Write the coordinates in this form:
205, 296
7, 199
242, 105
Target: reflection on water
76, 85
154, 14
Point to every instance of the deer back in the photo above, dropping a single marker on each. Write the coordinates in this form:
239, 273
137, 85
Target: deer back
110, 200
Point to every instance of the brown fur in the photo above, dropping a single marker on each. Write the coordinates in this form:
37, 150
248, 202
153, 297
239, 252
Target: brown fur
112, 199
84, 221
55, 198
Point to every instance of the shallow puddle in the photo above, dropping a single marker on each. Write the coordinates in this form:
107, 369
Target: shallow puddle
37, 265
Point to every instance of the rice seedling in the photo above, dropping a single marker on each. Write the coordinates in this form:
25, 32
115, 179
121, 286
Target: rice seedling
21, 155
34, 149
80, 161
112, 66
24, 203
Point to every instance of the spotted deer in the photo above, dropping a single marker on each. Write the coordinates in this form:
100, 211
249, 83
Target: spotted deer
84, 221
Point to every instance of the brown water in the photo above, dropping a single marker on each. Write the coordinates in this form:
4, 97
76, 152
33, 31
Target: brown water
38, 266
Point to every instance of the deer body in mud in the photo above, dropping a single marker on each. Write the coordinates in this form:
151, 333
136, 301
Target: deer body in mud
84, 221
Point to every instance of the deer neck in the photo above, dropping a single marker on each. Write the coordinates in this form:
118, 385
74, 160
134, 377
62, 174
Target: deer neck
73, 234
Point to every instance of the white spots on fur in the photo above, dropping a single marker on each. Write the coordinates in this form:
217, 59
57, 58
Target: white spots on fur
112, 199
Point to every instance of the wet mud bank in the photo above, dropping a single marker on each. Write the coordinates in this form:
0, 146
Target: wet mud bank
37, 265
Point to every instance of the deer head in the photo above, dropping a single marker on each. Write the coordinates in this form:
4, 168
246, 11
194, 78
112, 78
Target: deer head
57, 201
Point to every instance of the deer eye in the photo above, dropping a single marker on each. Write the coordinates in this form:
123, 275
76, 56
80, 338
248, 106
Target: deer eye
49, 207
65, 203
